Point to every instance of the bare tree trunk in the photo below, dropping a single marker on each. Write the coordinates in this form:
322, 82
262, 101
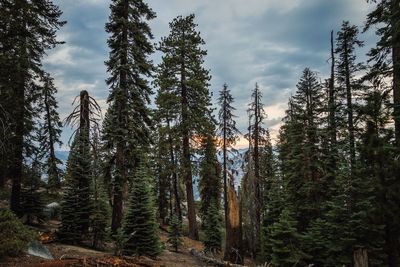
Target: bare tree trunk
233, 231
257, 178
332, 108
360, 257
84, 127
350, 123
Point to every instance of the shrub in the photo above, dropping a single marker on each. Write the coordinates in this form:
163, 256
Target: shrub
14, 235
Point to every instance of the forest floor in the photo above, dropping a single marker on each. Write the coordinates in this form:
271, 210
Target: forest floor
68, 255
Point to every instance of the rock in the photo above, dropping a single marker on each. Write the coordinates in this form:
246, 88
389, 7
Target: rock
36, 248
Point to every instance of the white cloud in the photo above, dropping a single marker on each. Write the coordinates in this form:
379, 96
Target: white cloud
63, 55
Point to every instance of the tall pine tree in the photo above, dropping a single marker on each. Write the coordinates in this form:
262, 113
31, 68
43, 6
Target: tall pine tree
24, 41
188, 81
128, 122
229, 135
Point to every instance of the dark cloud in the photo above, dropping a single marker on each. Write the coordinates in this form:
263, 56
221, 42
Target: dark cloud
268, 42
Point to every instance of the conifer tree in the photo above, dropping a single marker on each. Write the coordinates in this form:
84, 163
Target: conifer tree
24, 41
385, 19
140, 224
286, 241
305, 158
210, 169
71, 229
50, 131
229, 135
128, 115
31, 200
167, 116
175, 233
77, 207
100, 218
271, 212
188, 81
212, 229
347, 68
258, 137
331, 156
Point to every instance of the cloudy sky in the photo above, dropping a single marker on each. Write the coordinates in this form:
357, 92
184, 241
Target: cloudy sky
265, 41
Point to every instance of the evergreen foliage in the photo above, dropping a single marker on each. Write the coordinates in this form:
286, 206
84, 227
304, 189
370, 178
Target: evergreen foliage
140, 226
175, 233
183, 77
76, 206
24, 41
49, 133
210, 180
259, 142
128, 116
32, 200
286, 241
212, 229
14, 235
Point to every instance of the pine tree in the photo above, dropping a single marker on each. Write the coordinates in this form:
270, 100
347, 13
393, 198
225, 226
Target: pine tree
77, 207
347, 68
229, 135
167, 116
128, 115
210, 169
385, 19
301, 163
175, 233
258, 137
286, 241
140, 224
187, 79
50, 132
100, 218
212, 229
31, 199
24, 41
305, 158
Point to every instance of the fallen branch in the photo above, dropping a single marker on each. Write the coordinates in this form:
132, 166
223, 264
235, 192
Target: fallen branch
213, 261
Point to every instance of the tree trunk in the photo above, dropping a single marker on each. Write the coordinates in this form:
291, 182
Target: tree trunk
120, 177
392, 236
350, 123
396, 70
178, 209
233, 231
17, 141
360, 257
332, 108
193, 231
52, 156
187, 166
225, 171
84, 127
257, 188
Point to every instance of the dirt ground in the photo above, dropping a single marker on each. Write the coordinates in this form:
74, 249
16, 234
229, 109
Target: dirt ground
67, 255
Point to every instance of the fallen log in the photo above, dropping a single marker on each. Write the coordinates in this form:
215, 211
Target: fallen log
209, 260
